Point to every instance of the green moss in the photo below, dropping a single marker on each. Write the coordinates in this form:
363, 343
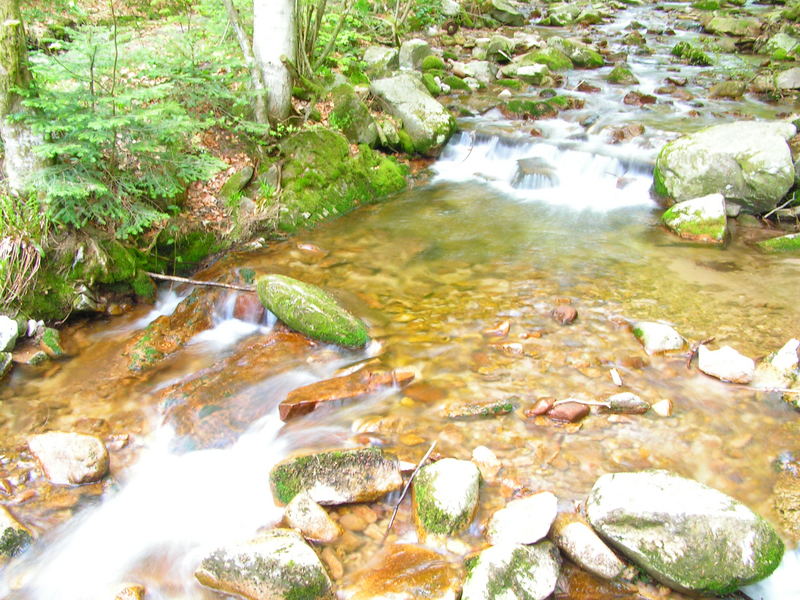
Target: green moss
784, 243
622, 75
694, 56
14, 541
432, 62
429, 514
552, 57
706, 4
430, 84
406, 143
456, 83
51, 340
506, 582
514, 84
659, 186
248, 275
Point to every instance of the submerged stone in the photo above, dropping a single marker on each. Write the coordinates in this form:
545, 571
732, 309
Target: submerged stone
426, 121
478, 409
622, 75
689, 537
513, 572
524, 520
405, 572
14, 536
575, 538
725, 364
70, 458
304, 400
580, 54
445, 496
748, 162
337, 476
699, 219
311, 311
658, 337
278, 565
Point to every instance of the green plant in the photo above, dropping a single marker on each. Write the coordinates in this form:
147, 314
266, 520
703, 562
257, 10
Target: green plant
25, 229
121, 149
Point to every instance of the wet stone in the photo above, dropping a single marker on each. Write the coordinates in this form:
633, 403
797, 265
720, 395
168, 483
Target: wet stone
638, 99
524, 520
311, 519
513, 572
70, 458
569, 412
725, 364
540, 407
248, 308
445, 496
338, 390
278, 565
564, 314
130, 591
337, 476
14, 536
658, 337
689, 537
467, 410
576, 539
404, 572
8, 333
6, 362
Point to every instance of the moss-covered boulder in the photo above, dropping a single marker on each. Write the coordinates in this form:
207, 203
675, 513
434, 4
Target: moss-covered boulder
413, 52
352, 116
337, 476
50, 341
783, 243
456, 83
320, 178
445, 496
692, 55
381, 61
513, 572
622, 75
735, 26
577, 540
500, 49
554, 58
699, 219
278, 565
690, 537
426, 121
781, 46
430, 83
14, 536
507, 12
6, 362
579, 53
311, 311
235, 184
432, 63
748, 162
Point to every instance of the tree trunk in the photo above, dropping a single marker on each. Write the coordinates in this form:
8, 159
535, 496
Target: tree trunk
274, 35
20, 160
256, 80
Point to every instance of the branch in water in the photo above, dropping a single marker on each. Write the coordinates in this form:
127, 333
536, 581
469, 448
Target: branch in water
229, 286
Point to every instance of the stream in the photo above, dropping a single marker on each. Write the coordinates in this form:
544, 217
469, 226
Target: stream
430, 271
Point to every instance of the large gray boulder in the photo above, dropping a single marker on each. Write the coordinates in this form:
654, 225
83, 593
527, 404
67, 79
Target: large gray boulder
513, 572
426, 121
413, 52
8, 333
688, 536
381, 60
748, 162
507, 12
278, 565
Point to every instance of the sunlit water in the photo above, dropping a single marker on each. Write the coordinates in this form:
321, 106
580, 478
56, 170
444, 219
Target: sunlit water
509, 226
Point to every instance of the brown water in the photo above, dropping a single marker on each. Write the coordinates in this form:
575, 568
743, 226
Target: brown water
430, 272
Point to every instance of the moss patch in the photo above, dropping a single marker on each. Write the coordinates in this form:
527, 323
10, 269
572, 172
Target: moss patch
784, 243
14, 542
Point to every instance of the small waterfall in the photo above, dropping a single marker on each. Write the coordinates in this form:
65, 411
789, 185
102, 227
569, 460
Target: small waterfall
575, 174
228, 328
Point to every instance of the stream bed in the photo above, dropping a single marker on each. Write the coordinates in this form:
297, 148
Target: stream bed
432, 272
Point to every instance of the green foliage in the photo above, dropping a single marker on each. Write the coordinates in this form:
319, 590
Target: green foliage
122, 149
24, 232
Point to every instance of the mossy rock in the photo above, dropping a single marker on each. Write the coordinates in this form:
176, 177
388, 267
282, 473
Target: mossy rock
622, 75
432, 63
235, 184
514, 84
552, 57
6, 362
580, 54
692, 55
50, 342
337, 477
456, 83
430, 84
513, 571
321, 179
699, 219
352, 116
784, 243
311, 311
446, 496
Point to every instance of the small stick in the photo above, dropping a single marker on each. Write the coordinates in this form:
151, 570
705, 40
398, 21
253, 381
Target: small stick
405, 491
228, 286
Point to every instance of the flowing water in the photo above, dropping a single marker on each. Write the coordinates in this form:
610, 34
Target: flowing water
488, 239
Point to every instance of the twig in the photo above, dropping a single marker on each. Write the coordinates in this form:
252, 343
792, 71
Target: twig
405, 491
229, 286
777, 208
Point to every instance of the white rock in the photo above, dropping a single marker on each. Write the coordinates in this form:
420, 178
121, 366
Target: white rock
446, 496
9, 330
780, 369
523, 521
412, 53
508, 571
311, 519
663, 408
487, 462
579, 542
70, 458
658, 337
278, 565
725, 364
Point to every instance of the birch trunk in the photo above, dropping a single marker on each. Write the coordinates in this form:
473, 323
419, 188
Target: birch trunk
274, 36
20, 161
256, 80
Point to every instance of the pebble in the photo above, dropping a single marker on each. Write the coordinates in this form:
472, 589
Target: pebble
564, 314
352, 522
540, 407
333, 563
569, 412
663, 408
487, 462
725, 364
